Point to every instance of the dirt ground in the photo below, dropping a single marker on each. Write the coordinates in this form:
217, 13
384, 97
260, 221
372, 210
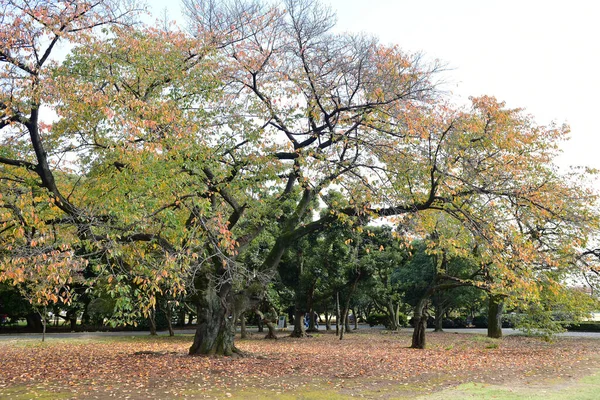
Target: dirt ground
367, 364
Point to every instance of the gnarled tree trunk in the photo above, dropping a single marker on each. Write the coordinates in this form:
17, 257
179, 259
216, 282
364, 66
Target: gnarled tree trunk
215, 330
269, 322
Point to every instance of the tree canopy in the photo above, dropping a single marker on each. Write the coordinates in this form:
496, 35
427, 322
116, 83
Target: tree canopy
152, 160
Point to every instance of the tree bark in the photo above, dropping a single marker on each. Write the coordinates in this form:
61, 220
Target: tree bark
337, 313
215, 330
355, 318
272, 334
420, 324
299, 324
152, 322
44, 323
327, 316
495, 308
243, 330
393, 315
311, 314
169, 314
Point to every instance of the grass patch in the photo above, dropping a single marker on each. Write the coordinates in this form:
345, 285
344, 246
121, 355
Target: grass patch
26, 393
584, 389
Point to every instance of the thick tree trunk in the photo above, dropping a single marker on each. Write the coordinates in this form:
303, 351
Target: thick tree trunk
215, 331
299, 325
420, 324
34, 321
347, 320
73, 323
496, 306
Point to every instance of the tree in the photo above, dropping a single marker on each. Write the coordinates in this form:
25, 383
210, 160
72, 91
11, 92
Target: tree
386, 254
185, 149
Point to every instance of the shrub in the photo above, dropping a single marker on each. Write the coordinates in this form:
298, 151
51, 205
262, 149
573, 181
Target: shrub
460, 323
585, 326
480, 321
448, 323
378, 319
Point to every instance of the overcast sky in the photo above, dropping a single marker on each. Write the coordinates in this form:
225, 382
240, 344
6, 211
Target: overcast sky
543, 56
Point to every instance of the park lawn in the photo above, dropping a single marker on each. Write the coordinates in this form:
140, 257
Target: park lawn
366, 364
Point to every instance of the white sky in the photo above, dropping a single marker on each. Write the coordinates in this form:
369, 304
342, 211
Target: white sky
543, 56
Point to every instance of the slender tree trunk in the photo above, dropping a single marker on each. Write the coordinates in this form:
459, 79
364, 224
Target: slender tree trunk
169, 312
152, 322
355, 318
420, 324
347, 308
327, 316
243, 330
44, 323
495, 308
337, 313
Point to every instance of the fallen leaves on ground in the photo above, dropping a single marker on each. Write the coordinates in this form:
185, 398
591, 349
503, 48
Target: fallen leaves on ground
146, 367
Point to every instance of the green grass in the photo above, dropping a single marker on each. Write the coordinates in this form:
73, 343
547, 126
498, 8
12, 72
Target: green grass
587, 388
27, 392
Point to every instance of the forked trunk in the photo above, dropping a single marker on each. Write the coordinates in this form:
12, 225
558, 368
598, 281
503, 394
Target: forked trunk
394, 318
327, 317
496, 306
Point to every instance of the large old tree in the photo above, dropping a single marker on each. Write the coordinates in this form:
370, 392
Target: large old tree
167, 156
